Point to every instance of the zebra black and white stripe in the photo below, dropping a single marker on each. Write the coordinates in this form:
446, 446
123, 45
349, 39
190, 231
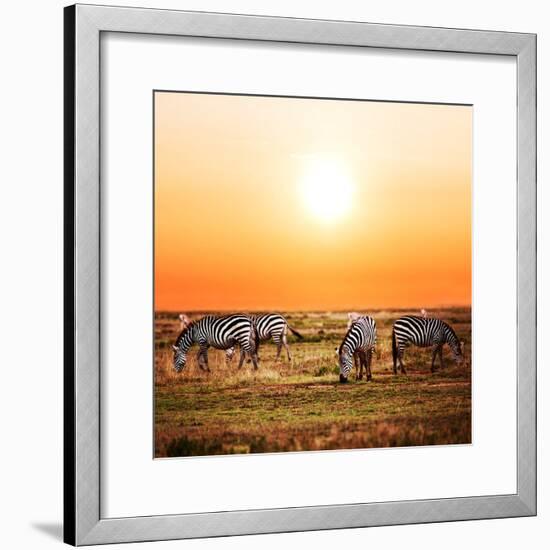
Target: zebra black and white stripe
271, 326
423, 332
218, 332
361, 340
352, 317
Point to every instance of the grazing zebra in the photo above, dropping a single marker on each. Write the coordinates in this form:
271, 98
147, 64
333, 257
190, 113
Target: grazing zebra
217, 332
270, 326
361, 340
352, 317
423, 332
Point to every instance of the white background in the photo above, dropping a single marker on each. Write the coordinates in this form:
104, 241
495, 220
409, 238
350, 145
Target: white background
30, 219
132, 67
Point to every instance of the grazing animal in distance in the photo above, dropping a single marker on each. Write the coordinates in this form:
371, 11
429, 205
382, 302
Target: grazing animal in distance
423, 332
352, 317
220, 332
360, 339
270, 326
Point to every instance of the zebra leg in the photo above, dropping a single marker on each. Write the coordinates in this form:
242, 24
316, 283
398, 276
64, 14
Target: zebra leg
285, 344
400, 359
256, 344
202, 358
241, 359
229, 354
434, 355
279, 345
358, 362
254, 357
441, 355
250, 348
369, 361
394, 351
249, 358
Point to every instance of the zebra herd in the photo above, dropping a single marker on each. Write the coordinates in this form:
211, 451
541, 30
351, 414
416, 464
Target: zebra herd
228, 331
357, 348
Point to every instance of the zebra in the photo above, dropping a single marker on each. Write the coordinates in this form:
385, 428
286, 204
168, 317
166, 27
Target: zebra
270, 326
424, 332
218, 332
352, 317
360, 339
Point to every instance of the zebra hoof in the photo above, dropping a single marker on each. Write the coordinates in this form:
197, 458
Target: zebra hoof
343, 379
369, 378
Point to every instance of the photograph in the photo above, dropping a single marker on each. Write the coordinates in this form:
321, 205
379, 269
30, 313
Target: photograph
312, 274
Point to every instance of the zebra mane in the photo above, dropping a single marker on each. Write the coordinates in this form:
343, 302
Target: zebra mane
185, 330
452, 332
341, 347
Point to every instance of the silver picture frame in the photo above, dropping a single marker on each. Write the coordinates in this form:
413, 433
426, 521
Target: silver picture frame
83, 524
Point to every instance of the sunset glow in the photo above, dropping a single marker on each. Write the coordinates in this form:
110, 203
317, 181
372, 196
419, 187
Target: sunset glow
310, 204
326, 188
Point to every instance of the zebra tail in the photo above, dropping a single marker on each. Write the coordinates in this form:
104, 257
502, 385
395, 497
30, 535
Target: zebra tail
394, 349
295, 332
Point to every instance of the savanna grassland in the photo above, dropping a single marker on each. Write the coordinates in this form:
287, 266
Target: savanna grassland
300, 405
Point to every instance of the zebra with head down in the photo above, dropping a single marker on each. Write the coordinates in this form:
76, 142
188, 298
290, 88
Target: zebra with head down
218, 332
424, 332
360, 340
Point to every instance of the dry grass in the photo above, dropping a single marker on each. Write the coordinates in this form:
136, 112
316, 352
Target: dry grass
300, 405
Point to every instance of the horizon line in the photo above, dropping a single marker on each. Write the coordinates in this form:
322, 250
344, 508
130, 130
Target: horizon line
320, 310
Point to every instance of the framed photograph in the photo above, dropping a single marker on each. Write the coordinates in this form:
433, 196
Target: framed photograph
300, 274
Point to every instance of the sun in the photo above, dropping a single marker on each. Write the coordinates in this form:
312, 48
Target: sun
327, 189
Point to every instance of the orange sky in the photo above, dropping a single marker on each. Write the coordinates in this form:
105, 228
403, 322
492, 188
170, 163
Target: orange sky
235, 230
